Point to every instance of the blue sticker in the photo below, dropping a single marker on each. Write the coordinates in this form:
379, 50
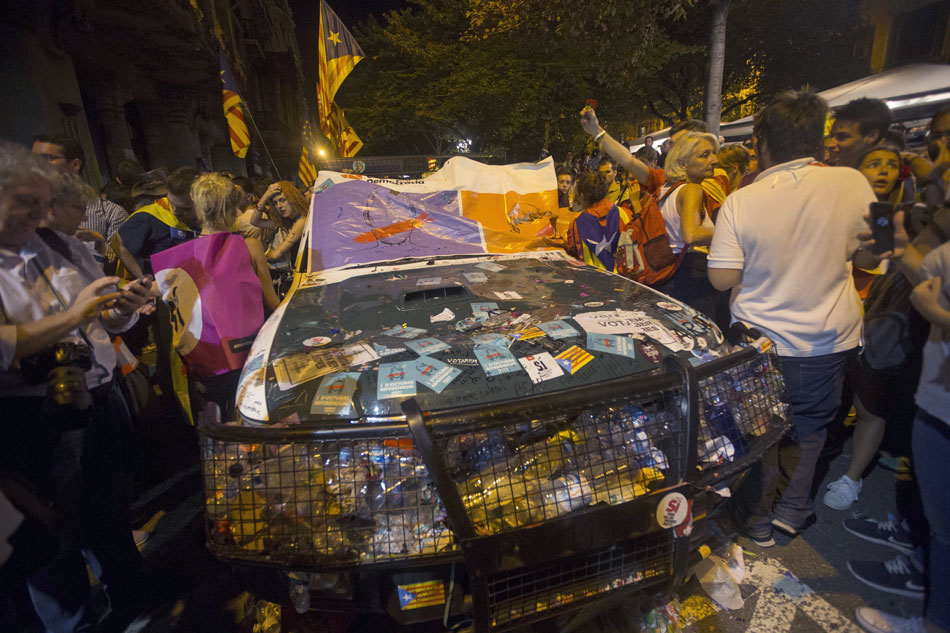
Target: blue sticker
496, 359
424, 346
482, 310
612, 344
475, 278
558, 329
382, 350
402, 331
335, 394
490, 339
395, 380
433, 373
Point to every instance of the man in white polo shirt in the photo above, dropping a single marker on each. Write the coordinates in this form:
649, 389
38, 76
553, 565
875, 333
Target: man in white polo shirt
784, 245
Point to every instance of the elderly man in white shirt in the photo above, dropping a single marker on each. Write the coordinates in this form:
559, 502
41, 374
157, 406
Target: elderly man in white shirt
72, 438
784, 245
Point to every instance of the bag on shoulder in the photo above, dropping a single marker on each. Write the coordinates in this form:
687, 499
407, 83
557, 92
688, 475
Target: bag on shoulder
643, 249
894, 332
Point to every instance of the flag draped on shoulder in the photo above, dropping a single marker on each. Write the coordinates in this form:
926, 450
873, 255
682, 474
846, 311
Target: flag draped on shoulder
233, 110
305, 169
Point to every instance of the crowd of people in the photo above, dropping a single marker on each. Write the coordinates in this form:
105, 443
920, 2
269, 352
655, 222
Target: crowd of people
775, 233
89, 283
772, 233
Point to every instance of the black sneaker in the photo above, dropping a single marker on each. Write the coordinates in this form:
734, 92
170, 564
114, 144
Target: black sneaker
890, 532
896, 576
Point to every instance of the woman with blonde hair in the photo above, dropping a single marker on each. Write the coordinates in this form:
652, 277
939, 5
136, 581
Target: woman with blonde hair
689, 226
218, 288
217, 205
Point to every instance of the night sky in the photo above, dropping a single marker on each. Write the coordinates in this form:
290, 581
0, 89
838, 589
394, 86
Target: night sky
306, 17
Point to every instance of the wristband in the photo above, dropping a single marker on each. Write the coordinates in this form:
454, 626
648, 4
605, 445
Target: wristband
599, 136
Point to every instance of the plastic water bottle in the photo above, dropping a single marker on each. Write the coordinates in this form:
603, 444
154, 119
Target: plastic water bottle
300, 591
721, 422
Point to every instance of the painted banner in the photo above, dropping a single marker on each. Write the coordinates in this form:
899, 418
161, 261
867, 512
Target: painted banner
466, 207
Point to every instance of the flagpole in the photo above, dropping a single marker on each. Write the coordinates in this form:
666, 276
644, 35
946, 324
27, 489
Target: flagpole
250, 117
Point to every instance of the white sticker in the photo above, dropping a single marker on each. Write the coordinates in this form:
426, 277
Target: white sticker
667, 305
541, 367
445, 315
672, 511
429, 281
507, 294
316, 341
627, 322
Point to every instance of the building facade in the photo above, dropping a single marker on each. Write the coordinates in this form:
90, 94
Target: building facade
140, 80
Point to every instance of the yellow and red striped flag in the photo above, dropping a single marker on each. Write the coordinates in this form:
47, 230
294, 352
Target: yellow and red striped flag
305, 169
233, 111
338, 54
339, 131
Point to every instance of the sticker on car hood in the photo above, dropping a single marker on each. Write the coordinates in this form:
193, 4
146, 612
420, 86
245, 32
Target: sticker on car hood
335, 394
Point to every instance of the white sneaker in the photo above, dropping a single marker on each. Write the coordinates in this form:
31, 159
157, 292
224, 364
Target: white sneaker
842, 493
879, 622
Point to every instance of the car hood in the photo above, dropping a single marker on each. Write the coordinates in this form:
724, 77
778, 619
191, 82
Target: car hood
458, 331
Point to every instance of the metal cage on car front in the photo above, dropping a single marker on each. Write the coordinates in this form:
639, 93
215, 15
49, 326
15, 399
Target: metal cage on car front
551, 502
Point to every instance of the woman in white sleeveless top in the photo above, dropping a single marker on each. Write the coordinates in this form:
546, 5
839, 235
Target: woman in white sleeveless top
688, 226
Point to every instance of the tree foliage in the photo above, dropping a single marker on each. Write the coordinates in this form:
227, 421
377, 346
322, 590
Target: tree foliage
511, 75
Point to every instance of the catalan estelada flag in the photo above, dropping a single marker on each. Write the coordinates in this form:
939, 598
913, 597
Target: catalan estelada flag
305, 169
340, 132
233, 110
338, 54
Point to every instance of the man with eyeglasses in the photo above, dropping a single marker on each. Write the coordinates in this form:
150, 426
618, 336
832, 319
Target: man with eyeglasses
103, 217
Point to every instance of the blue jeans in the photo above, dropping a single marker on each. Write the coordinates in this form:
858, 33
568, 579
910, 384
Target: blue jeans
814, 387
931, 446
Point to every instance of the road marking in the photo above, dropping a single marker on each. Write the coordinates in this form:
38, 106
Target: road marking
781, 596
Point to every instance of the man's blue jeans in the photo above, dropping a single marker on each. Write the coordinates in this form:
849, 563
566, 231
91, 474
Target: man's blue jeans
931, 442
814, 387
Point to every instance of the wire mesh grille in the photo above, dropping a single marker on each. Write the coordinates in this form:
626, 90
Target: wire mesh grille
528, 472
532, 593
742, 411
322, 503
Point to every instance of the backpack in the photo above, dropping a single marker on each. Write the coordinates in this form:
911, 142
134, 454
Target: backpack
643, 249
894, 332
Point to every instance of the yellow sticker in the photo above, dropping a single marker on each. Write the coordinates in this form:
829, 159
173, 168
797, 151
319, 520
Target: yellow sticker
531, 332
573, 359
421, 594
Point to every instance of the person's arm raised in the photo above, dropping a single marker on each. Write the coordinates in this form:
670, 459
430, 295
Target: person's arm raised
614, 148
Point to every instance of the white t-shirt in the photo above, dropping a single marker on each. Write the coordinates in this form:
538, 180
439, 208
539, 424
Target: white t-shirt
793, 233
933, 391
669, 208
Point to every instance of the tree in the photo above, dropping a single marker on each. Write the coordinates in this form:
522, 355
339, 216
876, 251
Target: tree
717, 61
496, 75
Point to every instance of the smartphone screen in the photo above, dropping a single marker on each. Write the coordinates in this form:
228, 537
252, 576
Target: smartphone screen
882, 227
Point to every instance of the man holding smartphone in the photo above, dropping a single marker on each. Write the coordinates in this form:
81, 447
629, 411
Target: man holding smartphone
784, 245
70, 438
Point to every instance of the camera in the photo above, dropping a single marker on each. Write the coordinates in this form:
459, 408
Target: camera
63, 368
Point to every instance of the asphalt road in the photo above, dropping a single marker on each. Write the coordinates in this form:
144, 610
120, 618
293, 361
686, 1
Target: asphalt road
801, 585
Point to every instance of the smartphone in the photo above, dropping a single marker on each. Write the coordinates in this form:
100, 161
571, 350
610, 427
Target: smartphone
882, 227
